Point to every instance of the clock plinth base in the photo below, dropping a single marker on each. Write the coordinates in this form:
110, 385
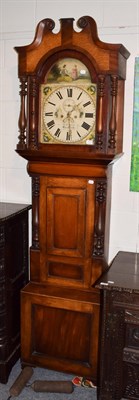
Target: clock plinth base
61, 329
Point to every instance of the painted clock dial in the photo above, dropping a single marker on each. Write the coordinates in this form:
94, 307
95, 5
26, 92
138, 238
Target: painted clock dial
68, 105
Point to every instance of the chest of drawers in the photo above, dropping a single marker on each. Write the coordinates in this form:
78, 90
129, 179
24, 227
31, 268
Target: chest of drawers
119, 341
13, 276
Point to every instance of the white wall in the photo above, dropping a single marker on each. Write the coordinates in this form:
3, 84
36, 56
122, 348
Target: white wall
118, 22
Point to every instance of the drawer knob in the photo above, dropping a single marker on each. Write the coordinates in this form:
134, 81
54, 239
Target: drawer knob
136, 334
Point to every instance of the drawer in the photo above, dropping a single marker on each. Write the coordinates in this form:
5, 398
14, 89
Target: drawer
132, 329
131, 356
130, 381
132, 336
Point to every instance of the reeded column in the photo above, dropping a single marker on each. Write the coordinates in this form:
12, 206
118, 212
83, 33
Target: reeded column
99, 142
100, 218
22, 122
112, 124
33, 112
35, 211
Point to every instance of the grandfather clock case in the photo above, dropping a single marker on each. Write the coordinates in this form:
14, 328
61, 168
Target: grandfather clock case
71, 127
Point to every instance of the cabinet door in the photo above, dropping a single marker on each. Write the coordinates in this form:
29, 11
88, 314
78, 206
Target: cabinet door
66, 229
61, 329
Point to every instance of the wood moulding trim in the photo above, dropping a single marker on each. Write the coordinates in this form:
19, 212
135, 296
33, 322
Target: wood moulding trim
44, 35
67, 169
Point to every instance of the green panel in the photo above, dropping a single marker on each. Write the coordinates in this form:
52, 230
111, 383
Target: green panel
134, 174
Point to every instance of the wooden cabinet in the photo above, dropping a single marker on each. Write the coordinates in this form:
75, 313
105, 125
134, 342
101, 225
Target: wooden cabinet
13, 276
119, 361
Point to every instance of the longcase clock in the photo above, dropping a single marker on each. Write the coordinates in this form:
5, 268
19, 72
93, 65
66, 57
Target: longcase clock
71, 127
